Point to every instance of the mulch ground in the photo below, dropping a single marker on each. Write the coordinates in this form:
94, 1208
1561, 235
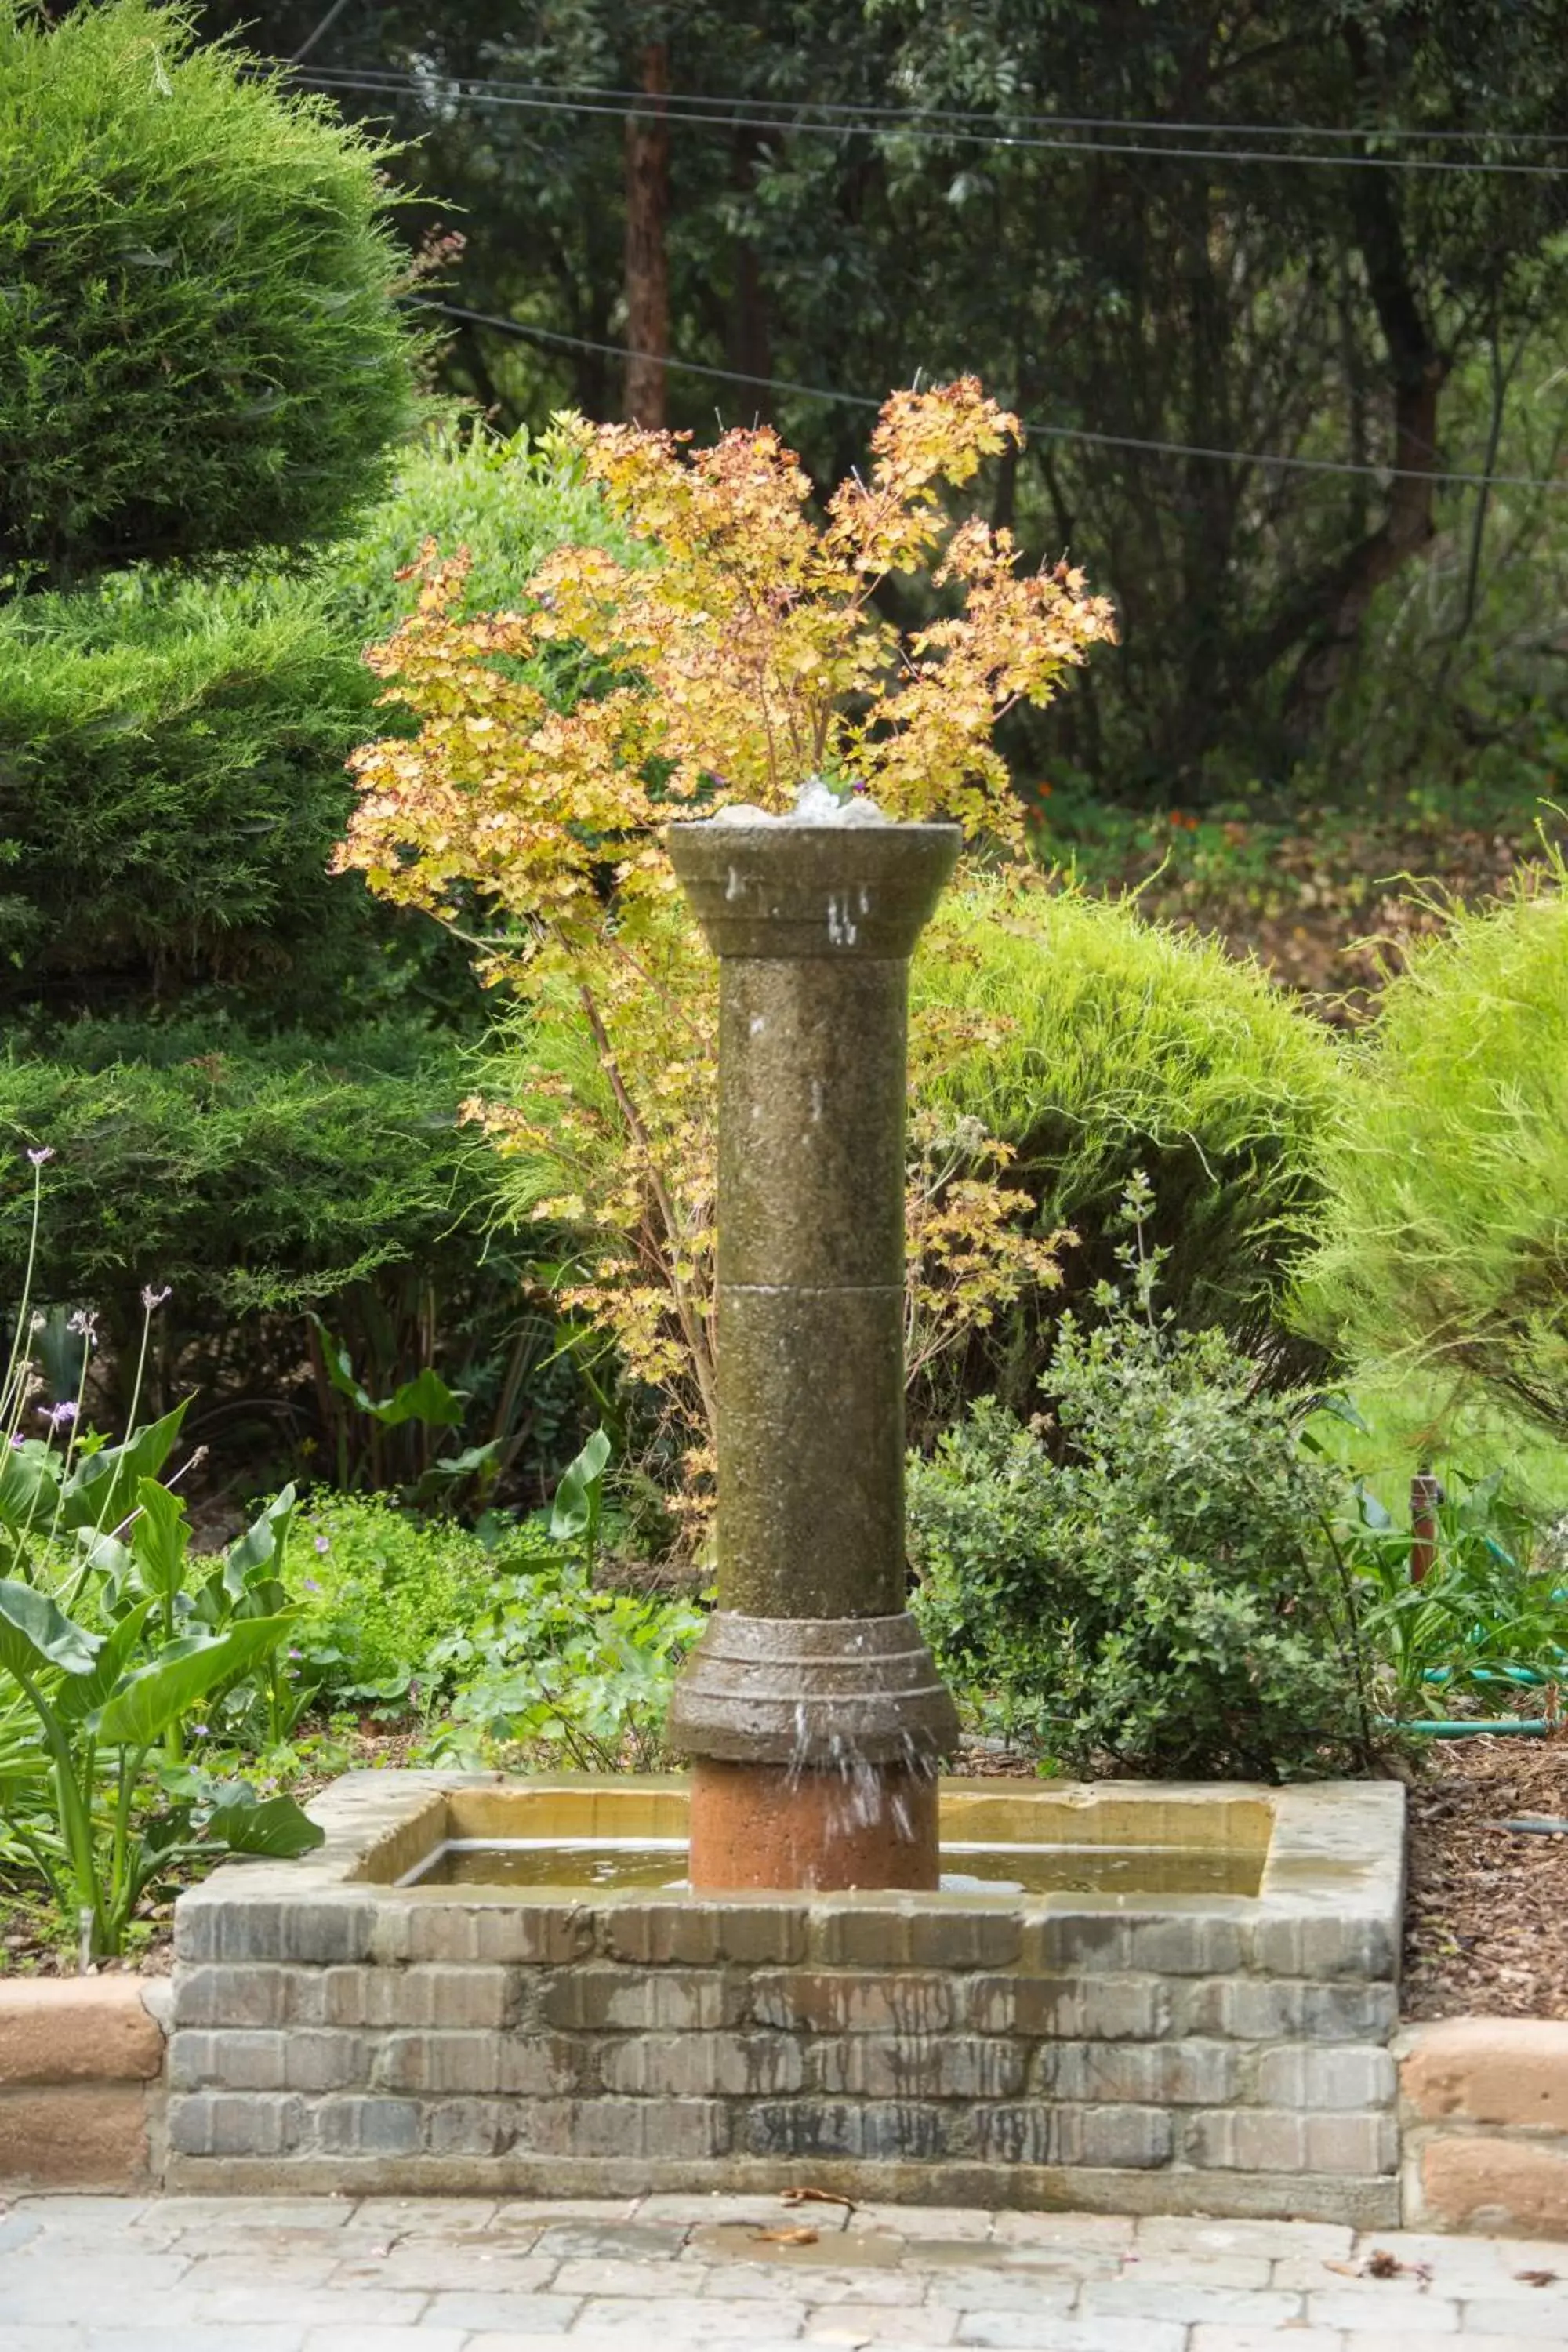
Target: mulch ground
1485, 1920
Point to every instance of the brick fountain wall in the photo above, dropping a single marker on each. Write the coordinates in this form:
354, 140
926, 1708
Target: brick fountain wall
1217, 2055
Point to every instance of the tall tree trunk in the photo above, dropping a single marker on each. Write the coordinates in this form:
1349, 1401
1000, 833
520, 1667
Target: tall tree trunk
647, 265
1418, 370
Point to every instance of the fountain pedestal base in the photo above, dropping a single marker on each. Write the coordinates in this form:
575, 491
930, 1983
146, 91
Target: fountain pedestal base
762, 1826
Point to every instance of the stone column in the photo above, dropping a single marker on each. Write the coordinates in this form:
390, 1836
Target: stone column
811, 1707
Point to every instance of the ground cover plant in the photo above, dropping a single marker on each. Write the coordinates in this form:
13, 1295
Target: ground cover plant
111, 1636
1483, 1626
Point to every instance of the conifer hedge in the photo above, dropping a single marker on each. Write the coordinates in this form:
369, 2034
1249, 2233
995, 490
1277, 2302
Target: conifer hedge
199, 349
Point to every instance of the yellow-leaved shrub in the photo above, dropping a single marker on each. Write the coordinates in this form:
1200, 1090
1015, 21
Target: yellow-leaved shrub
747, 656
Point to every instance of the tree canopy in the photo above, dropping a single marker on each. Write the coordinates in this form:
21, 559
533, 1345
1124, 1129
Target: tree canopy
1107, 212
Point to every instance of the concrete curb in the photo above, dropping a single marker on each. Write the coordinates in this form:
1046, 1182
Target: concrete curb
82, 2082
1483, 2112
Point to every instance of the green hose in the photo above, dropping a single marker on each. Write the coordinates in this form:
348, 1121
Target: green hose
1523, 1726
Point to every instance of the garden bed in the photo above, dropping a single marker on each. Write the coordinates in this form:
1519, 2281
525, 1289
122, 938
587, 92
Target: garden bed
1484, 1911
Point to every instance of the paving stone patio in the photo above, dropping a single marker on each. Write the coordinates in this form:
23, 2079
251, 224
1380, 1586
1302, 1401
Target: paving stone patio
665, 2273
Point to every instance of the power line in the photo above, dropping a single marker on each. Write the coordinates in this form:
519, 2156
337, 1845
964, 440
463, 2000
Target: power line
328, 21
621, 352
459, 91
866, 109
1032, 423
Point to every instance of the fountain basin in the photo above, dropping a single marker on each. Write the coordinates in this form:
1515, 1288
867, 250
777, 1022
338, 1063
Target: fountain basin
471, 1987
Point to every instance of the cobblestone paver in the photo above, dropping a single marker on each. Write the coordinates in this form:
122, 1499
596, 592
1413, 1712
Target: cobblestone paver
677, 2274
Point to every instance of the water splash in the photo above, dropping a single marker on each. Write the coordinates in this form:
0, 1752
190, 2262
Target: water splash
816, 803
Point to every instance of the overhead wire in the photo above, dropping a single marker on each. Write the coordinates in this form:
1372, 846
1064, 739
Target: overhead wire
868, 110
1046, 430
470, 91
321, 31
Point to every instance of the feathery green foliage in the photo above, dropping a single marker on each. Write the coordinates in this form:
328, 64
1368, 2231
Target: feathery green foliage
1096, 1043
172, 779
256, 1178
1446, 1247
199, 349
509, 501
172, 757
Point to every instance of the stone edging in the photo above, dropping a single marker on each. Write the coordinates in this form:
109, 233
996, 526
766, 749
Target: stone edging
1483, 2112
81, 2087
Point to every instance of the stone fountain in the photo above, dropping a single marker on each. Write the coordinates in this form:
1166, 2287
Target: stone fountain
1148, 1999
811, 1711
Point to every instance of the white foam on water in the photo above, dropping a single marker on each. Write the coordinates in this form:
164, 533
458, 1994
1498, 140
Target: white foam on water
816, 803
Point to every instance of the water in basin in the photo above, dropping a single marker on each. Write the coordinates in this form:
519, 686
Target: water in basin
968, 1869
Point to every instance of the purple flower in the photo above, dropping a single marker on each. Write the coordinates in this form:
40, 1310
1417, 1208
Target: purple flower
199, 1729
59, 1416
151, 1299
84, 1324
312, 1585
293, 1653
44, 1151
18, 1442
322, 1545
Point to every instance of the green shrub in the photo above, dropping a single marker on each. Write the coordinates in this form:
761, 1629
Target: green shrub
200, 352
172, 763
510, 502
261, 1179
249, 1175
1096, 1043
171, 776
1149, 1584
1445, 1252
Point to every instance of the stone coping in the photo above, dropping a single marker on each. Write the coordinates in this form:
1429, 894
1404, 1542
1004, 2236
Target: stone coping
1329, 1905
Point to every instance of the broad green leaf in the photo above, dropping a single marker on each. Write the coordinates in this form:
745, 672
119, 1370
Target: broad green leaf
75, 1700
160, 1539
165, 1691
576, 1505
339, 1369
105, 1554
276, 1827
262, 1542
425, 1397
464, 1464
29, 1486
1373, 1512
34, 1632
101, 1489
